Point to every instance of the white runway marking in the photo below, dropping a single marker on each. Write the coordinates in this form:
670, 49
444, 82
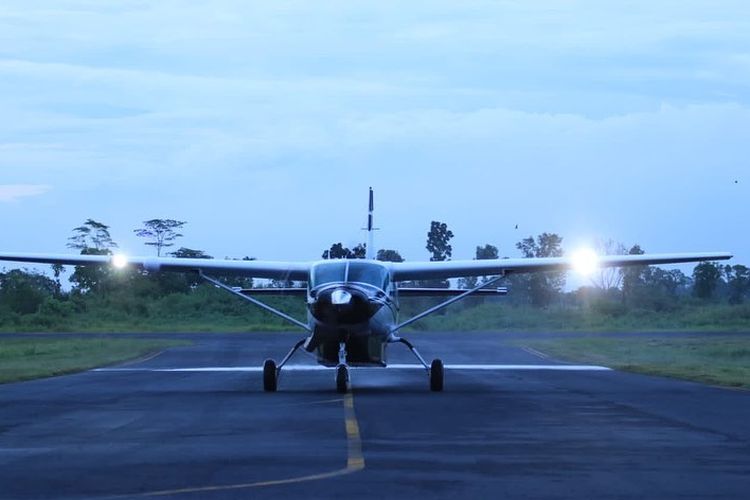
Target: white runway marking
231, 369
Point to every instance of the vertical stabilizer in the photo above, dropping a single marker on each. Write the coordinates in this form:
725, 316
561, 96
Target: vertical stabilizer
371, 228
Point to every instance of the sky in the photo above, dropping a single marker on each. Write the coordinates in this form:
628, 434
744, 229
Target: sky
263, 124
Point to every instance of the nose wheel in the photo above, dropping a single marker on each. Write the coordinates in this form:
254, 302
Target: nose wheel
342, 379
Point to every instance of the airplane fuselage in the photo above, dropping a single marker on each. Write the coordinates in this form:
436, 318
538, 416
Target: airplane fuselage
352, 302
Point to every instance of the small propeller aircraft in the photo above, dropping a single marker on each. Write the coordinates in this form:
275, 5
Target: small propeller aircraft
352, 305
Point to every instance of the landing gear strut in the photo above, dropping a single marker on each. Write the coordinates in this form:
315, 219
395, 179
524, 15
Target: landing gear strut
435, 370
271, 372
342, 371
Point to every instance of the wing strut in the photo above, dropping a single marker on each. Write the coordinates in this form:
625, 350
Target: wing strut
254, 301
445, 304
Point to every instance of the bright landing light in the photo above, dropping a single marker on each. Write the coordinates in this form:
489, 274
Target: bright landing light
119, 261
585, 261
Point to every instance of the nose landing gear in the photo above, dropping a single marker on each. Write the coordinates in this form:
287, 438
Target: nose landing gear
342, 371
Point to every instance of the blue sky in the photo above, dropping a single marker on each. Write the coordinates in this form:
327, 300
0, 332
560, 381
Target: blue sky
264, 123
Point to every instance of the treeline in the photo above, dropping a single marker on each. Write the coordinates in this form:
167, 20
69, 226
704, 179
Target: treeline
103, 298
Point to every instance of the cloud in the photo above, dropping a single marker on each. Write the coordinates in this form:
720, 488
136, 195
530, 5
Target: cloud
14, 192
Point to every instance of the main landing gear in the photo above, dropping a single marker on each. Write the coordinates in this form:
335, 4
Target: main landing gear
271, 371
436, 375
434, 370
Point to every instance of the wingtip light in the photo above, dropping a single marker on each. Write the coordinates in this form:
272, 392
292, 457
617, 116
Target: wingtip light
119, 261
585, 261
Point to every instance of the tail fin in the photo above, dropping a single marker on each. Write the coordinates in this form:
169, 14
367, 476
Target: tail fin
371, 228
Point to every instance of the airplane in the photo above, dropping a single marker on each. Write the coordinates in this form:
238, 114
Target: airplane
353, 304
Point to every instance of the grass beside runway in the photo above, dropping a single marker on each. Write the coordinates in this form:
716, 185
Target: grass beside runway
714, 360
26, 359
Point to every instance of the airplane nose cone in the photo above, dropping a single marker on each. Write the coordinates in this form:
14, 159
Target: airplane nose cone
340, 297
343, 306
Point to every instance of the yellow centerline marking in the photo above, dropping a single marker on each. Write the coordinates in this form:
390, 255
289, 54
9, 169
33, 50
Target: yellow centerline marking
355, 462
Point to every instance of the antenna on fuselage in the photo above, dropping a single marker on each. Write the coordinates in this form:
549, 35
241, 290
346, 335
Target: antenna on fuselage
370, 254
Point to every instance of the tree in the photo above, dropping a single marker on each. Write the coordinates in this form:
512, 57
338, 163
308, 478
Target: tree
92, 235
57, 271
339, 251
738, 282
438, 241
189, 253
542, 287
180, 282
608, 278
24, 292
160, 232
632, 276
706, 277
659, 289
485, 252
91, 238
389, 256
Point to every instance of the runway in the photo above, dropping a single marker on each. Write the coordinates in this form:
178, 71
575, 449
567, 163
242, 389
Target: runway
193, 422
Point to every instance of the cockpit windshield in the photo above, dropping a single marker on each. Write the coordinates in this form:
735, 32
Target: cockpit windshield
328, 272
350, 271
367, 272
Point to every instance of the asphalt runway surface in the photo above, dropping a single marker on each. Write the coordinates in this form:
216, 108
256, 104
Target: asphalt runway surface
193, 422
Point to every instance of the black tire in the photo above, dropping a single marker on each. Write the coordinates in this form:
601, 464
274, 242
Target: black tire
342, 379
436, 375
270, 379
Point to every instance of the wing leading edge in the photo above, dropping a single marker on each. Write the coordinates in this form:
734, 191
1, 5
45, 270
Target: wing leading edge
252, 268
405, 271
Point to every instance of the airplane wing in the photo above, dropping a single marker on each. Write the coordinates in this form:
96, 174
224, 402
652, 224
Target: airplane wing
251, 268
405, 271
402, 271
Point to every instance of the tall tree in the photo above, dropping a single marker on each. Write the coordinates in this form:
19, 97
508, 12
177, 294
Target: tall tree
706, 278
438, 241
438, 244
543, 287
91, 238
92, 235
389, 256
161, 233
